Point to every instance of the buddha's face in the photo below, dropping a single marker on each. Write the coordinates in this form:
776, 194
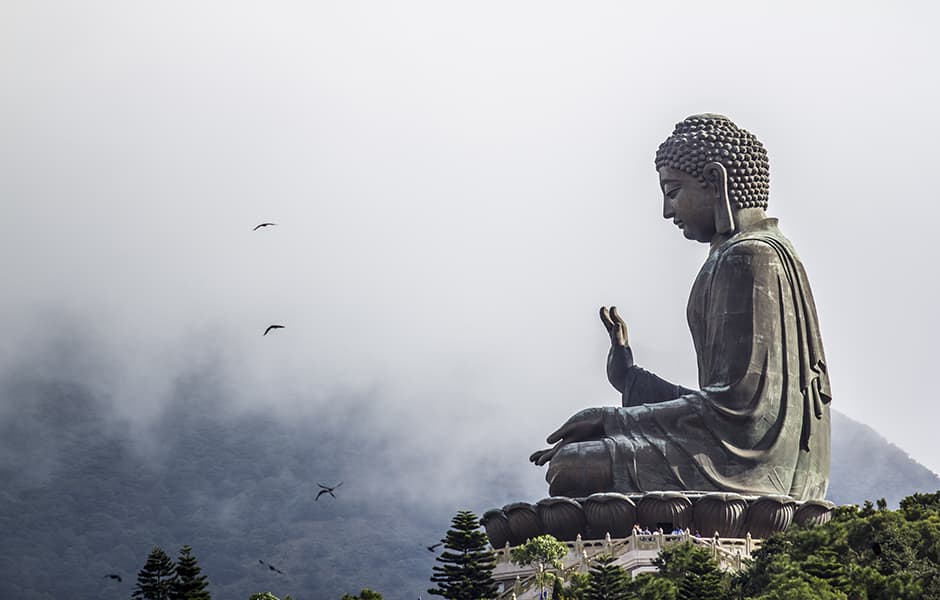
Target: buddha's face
690, 205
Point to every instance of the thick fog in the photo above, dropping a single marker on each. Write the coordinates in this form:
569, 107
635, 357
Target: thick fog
457, 189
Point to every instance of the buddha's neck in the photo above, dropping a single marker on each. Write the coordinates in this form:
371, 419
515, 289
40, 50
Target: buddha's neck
746, 217
743, 218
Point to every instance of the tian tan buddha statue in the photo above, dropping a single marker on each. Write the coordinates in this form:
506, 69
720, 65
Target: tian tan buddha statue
759, 422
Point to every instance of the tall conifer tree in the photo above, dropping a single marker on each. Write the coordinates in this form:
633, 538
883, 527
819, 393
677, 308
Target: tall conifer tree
155, 580
189, 584
608, 581
702, 580
466, 569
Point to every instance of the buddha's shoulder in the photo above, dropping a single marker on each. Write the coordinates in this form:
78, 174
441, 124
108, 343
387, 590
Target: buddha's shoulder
756, 248
752, 245
762, 238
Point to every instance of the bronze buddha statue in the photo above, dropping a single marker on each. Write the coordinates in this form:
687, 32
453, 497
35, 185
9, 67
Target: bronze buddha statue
758, 423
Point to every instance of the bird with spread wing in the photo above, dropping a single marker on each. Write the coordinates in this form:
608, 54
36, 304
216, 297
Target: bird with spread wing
326, 489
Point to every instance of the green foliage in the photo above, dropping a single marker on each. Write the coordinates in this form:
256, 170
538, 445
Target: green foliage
702, 579
156, 579
263, 596
674, 560
558, 591
365, 594
607, 581
466, 569
544, 551
684, 571
792, 587
577, 587
920, 506
651, 586
868, 553
189, 584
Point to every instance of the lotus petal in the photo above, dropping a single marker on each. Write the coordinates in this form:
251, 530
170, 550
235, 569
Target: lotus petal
814, 512
497, 528
667, 510
609, 512
721, 512
524, 522
561, 517
770, 514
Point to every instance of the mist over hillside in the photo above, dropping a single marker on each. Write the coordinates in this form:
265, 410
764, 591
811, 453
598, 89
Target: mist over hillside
866, 466
87, 492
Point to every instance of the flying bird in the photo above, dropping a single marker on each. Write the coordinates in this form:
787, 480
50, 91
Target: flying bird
327, 490
115, 577
272, 567
432, 548
259, 226
270, 327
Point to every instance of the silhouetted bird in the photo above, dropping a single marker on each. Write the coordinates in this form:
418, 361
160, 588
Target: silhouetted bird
327, 489
257, 227
432, 548
115, 577
272, 567
270, 327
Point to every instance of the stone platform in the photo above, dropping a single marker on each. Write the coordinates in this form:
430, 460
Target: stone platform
725, 514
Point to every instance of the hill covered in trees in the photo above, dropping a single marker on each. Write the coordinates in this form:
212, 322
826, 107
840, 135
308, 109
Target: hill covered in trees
85, 494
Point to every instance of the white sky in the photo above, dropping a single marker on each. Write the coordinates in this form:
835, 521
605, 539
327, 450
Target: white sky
458, 187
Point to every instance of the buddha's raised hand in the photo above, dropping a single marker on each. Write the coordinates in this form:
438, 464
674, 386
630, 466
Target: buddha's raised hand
616, 327
620, 357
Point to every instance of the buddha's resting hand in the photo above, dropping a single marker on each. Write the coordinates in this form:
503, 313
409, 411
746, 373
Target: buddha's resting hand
620, 357
585, 425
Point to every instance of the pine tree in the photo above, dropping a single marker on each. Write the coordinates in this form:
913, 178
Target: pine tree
577, 587
607, 580
156, 579
702, 580
189, 583
365, 594
466, 569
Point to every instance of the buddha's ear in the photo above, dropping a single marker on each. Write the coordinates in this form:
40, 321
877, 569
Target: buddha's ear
716, 179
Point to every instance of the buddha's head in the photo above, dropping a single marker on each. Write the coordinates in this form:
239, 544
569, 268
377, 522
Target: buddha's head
709, 170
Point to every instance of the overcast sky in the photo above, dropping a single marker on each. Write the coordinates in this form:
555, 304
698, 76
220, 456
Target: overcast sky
458, 187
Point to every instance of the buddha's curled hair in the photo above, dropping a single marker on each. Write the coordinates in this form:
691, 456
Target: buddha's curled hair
701, 139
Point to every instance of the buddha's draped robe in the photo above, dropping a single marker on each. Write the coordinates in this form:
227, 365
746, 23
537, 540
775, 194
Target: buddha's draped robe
759, 424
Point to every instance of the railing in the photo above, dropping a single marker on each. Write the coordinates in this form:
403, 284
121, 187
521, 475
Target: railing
730, 554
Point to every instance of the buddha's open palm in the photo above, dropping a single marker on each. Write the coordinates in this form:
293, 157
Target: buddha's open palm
616, 327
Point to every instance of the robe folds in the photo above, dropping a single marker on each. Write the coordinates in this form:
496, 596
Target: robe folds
759, 422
